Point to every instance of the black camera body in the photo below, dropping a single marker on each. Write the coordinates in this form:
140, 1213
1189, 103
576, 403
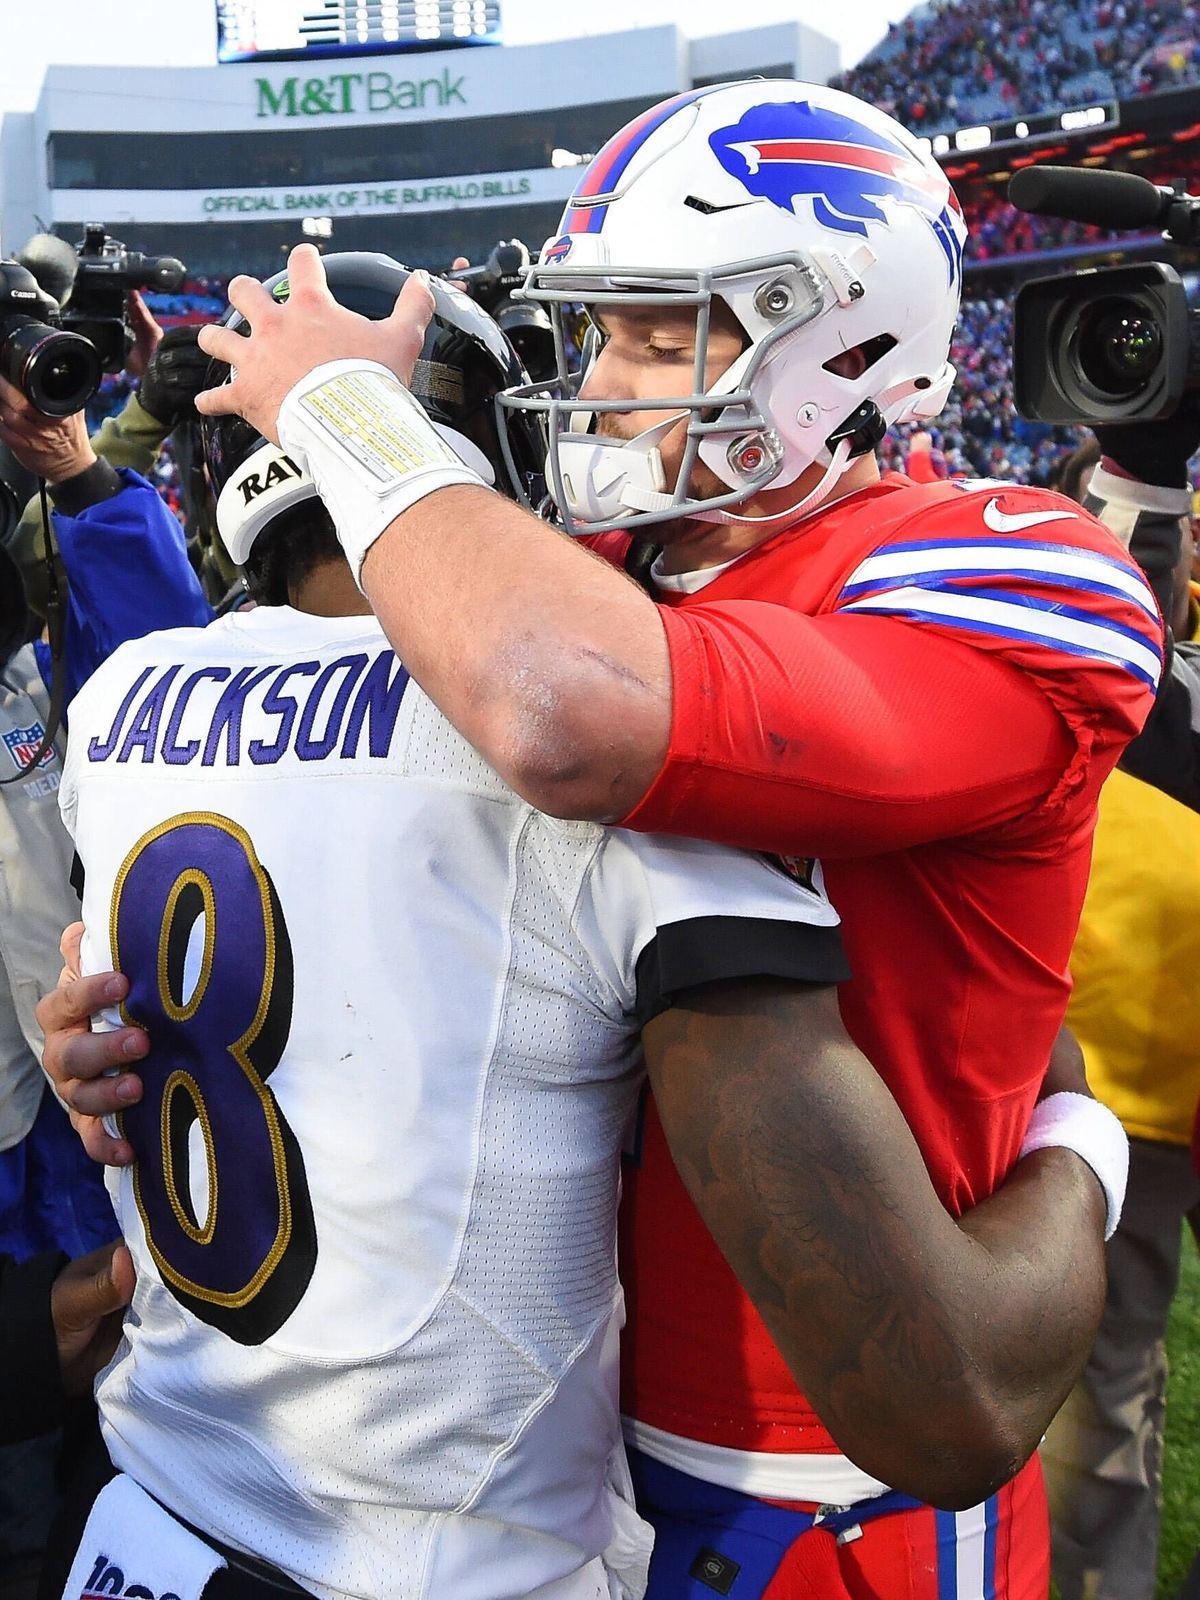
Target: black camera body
1109, 344
56, 370
1105, 344
494, 286
105, 272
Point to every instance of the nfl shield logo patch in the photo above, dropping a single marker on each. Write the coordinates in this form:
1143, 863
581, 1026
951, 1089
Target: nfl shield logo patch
22, 744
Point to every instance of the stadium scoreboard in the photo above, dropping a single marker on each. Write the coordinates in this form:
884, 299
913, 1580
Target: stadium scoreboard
288, 30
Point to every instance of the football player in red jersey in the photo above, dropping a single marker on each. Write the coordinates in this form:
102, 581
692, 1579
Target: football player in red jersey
925, 685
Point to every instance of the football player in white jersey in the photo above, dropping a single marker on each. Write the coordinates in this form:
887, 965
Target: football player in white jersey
395, 1018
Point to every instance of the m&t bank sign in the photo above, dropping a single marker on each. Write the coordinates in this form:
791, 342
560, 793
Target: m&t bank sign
354, 93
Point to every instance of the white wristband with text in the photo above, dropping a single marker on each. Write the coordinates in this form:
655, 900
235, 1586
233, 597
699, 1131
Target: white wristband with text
1079, 1123
369, 448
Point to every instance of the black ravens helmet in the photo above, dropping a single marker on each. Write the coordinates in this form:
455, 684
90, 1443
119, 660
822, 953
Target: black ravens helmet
464, 363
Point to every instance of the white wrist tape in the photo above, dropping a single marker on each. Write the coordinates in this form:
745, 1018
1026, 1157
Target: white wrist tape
1077, 1122
369, 448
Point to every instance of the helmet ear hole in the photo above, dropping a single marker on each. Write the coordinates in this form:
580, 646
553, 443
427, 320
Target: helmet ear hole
860, 358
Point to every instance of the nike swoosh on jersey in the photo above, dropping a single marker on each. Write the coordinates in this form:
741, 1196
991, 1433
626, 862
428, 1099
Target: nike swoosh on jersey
1000, 522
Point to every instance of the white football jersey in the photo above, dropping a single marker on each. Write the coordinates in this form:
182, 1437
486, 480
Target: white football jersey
394, 1017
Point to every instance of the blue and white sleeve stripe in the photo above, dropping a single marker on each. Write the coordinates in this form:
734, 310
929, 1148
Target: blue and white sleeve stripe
1054, 564
969, 585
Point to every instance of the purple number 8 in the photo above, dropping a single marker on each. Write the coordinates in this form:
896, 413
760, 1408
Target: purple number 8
190, 893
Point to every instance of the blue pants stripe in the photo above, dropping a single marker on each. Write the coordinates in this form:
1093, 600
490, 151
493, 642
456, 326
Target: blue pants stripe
947, 1555
992, 1515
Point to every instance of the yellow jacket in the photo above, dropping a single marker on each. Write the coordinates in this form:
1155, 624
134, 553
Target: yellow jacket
1136, 962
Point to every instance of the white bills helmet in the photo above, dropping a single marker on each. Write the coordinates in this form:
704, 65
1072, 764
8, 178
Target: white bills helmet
821, 224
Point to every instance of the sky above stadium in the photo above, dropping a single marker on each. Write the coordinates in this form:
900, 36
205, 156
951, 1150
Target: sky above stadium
183, 32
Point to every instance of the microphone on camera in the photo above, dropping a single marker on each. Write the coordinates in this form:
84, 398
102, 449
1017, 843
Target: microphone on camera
52, 262
1082, 194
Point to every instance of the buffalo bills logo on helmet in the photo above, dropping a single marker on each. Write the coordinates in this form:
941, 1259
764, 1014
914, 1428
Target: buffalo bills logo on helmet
558, 251
795, 151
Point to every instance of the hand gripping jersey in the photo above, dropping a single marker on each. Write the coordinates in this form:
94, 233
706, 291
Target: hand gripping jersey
394, 1018
925, 685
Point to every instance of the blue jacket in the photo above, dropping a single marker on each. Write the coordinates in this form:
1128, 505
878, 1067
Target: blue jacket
128, 574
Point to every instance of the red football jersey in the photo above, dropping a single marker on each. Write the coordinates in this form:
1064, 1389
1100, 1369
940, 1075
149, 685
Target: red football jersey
925, 686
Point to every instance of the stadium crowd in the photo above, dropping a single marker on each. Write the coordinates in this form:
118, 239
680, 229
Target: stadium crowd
247, 563
999, 230
953, 62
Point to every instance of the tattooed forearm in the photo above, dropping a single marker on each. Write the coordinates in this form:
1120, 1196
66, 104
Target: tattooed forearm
935, 1351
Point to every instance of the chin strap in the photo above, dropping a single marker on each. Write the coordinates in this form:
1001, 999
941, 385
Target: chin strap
804, 507
859, 433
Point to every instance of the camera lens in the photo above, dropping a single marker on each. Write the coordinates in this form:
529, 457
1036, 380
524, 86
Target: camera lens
58, 378
1119, 345
57, 372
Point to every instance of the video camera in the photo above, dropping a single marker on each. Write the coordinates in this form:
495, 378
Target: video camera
64, 317
1105, 344
526, 326
105, 272
57, 371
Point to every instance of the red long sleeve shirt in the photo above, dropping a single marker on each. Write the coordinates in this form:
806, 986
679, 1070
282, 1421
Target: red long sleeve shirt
925, 686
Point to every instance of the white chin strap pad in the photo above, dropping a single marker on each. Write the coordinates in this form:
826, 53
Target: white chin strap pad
606, 478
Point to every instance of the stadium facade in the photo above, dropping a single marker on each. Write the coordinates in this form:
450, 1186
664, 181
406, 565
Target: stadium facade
423, 155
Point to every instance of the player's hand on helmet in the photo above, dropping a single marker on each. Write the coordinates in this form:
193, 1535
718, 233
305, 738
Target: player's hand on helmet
289, 338
90, 1069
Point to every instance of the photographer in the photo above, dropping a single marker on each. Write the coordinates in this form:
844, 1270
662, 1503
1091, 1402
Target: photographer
1141, 490
127, 571
1114, 349
92, 293
60, 1321
1136, 1013
132, 438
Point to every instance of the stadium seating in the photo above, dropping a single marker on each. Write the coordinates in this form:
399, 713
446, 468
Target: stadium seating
948, 65
998, 231
200, 300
